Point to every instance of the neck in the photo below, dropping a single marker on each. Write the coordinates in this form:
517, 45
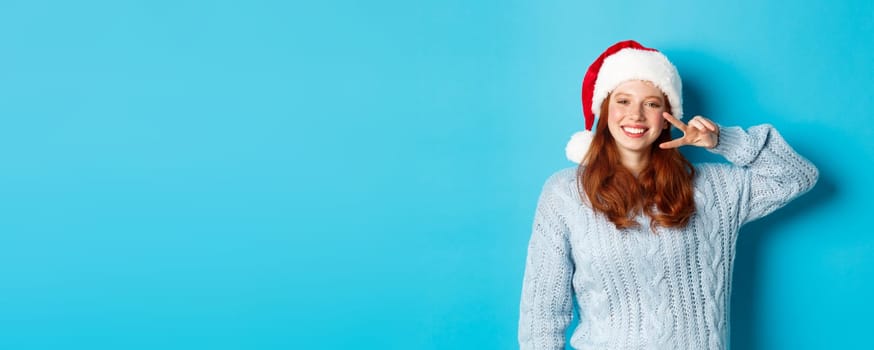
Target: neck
635, 161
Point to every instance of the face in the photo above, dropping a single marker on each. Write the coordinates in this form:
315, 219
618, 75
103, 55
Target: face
635, 116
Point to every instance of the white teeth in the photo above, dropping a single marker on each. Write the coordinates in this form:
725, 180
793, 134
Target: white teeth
631, 130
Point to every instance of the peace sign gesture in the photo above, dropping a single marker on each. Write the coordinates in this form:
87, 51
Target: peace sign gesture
699, 132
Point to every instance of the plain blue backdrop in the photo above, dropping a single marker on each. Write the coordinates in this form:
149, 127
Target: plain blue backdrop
363, 174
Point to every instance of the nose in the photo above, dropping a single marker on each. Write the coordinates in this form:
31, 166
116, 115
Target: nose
636, 113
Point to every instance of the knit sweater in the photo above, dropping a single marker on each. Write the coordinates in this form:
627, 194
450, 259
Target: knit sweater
638, 290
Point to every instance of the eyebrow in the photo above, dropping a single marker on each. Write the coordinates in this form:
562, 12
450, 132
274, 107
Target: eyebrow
651, 96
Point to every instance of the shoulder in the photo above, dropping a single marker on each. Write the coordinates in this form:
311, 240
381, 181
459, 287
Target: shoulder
712, 173
561, 176
563, 184
719, 180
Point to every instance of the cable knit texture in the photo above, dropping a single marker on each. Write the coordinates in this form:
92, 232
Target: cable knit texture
638, 290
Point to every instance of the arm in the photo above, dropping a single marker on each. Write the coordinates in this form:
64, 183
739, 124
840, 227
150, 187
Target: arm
546, 307
772, 172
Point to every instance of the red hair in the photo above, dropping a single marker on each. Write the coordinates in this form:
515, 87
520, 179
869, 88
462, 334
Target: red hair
662, 191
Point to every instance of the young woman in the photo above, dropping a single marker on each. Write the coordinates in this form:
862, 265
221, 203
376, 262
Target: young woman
643, 241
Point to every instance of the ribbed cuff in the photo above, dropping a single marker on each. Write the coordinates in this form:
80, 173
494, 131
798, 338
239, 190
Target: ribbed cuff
734, 144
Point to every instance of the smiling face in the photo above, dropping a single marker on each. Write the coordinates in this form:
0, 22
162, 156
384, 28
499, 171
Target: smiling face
635, 117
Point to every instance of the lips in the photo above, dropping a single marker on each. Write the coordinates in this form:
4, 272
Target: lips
634, 131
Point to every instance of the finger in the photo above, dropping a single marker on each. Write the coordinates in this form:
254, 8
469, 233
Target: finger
676, 122
698, 125
709, 124
672, 144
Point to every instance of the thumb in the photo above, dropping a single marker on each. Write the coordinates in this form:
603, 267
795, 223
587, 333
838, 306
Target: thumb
671, 144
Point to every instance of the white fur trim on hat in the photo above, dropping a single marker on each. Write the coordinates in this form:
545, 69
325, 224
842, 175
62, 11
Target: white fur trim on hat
633, 64
578, 146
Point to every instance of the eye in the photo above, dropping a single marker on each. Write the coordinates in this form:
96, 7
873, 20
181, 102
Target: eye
652, 104
622, 101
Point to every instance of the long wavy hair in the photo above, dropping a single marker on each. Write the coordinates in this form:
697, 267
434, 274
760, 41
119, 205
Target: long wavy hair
662, 191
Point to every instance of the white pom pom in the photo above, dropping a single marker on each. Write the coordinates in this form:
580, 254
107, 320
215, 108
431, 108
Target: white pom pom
578, 146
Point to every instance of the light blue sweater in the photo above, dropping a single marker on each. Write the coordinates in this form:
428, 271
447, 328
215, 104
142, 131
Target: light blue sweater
639, 290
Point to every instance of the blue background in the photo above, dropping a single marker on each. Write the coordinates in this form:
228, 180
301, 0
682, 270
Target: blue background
363, 174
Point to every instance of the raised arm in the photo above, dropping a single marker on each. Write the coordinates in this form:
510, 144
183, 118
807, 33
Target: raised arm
546, 307
772, 172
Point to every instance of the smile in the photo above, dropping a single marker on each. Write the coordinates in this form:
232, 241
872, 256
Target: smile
632, 131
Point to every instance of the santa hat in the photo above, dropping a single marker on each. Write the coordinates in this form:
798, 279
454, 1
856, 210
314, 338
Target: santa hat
624, 61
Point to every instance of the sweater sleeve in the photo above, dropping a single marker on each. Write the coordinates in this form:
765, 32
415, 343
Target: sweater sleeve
771, 172
546, 306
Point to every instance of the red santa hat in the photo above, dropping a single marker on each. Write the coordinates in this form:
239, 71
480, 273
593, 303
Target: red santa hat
624, 61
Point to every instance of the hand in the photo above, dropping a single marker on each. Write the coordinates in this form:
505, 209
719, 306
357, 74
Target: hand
700, 132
